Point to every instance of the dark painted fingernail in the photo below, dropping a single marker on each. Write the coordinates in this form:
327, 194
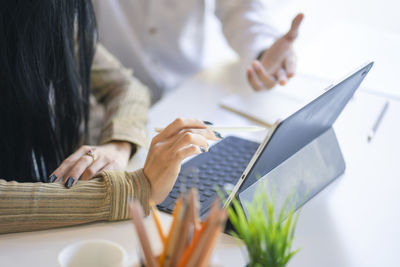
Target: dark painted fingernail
69, 182
208, 123
52, 178
217, 134
202, 149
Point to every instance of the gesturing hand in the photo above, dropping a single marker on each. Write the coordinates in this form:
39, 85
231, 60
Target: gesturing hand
84, 163
181, 139
277, 63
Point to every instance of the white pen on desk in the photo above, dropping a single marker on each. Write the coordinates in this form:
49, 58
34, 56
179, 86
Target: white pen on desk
378, 121
229, 128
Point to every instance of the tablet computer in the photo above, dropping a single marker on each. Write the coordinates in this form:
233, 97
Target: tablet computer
300, 129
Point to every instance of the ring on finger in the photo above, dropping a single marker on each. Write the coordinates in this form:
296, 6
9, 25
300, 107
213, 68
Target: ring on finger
91, 154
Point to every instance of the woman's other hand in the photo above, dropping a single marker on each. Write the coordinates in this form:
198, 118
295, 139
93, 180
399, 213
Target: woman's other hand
84, 163
181, 139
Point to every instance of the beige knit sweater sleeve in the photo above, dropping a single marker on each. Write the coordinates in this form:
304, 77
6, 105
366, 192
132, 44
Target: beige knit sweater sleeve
125, 98
38, 206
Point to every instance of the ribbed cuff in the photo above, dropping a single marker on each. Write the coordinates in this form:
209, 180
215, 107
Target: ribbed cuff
144, 189
124, 186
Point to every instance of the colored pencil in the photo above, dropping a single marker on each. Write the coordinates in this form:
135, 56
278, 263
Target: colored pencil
157, 221
206, 255
187, 224
174, 219
203, 242
137, 218
175, 232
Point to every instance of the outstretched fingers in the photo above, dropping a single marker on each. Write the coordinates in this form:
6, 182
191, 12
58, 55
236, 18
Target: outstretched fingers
291, 35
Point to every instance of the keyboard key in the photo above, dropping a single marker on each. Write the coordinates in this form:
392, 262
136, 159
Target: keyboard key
209, 193
214, 178
208, 183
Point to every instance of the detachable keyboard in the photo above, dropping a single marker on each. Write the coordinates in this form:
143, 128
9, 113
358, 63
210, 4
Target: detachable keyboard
221, 168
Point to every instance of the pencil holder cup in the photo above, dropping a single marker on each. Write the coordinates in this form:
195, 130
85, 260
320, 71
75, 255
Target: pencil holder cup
93, 253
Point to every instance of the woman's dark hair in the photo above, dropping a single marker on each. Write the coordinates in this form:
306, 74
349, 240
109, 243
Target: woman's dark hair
46, 52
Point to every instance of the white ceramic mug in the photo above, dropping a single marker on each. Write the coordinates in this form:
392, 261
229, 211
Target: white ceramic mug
93, 253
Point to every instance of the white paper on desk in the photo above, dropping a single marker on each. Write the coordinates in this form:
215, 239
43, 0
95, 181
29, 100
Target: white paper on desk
264, 108
267, 107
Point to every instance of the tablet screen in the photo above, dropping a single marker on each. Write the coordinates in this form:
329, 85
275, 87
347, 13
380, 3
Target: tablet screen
304, 126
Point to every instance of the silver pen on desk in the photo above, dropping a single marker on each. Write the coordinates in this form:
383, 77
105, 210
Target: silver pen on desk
378, 121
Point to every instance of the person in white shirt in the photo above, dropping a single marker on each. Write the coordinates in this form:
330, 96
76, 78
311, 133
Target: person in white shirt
163, 40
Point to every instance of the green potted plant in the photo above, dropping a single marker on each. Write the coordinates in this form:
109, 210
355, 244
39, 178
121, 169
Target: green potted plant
268, 235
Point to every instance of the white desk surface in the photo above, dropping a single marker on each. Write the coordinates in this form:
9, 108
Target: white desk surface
353, 222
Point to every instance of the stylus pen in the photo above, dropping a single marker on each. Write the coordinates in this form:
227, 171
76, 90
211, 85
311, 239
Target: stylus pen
378, 121
230, 129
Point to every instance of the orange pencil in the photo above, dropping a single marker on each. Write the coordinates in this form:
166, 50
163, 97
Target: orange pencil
174, 218
203, 242
197, 235
175, 232
187, 222
157, 221
189, 250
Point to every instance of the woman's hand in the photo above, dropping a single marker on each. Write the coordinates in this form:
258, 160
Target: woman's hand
84, 163
181, 139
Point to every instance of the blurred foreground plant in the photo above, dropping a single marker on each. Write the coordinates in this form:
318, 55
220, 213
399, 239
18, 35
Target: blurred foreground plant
268, 236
